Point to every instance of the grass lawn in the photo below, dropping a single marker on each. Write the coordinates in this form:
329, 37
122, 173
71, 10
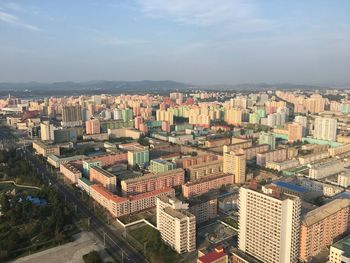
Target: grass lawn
149, 243
9, 187
230, 221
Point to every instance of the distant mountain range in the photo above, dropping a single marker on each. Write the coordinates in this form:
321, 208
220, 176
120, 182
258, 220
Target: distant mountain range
40, 89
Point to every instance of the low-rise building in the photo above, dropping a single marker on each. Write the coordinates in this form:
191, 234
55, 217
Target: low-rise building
206, 184
160, 166
281, 166
218, 255
278, 155
326, 168
339, 150
70, 172
151, 182
106, 179
313, 157
44, 149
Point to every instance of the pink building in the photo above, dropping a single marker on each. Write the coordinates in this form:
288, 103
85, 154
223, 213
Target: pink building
278, 155
107, 159
322, 226
206, 184
187, 162
92, 126
103, 177
151, 182
116, 205
70, 172
138, 121
165, 126
295, 132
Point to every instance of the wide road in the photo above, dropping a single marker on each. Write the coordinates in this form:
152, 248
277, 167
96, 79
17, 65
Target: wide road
113, 240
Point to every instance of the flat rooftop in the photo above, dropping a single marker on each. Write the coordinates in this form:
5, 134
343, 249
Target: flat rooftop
344, 245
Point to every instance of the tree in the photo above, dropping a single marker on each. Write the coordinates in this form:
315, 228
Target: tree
92, 257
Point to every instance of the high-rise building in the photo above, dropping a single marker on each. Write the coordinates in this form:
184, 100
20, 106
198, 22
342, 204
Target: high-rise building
47, 131
325, 129
235, 164
163, 115
71, 116
176, 225
269, 226
295, 132
127, 115
93, 126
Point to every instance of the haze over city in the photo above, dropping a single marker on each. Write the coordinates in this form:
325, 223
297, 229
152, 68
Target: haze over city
197, 42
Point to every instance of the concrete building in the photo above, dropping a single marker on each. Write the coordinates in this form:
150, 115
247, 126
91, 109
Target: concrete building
344, 179
47, 131
106, 179
326, 168
321, 226
340, 251
269, 226
295, 132
204, 209
138, 155
199, 171
160, 166
71, 116
151, 182
206, 184
339, 150
163, 115
268, 138
280, 166
235, 164
176, 225
46, 149
278, 155
251, 152
70, 172
87, 164
93, 126
190, 161
325, 129
313, 157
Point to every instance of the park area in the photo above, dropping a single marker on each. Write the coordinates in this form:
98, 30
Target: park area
147, 241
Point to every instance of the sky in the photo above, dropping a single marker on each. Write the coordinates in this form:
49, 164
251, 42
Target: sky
191, 41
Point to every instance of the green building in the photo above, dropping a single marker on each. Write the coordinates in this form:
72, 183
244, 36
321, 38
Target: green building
87, 164
160, 166
127, 115
268, 138
138, 156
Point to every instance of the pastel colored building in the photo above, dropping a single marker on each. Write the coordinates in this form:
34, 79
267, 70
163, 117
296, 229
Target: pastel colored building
206, 184
278, 155
152, 182
340, 251
93, 126
160, 166
70, 172
190, 161
199, 171
320, 227
205, 209
106, 179
88, 164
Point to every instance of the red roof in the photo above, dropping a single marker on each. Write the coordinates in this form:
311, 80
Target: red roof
212, 256
107, 194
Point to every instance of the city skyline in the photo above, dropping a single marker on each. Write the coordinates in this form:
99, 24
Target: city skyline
188, 41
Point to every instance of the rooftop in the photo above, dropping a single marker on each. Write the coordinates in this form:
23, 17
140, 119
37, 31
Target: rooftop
180, 214
344, 245
216, 254
152, 176
107, 194
290, 186
324, 211
102, 171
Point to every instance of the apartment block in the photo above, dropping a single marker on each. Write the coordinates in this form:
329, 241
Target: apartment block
326, 168
199, 171
251, 152
138, 155
116, 205
46, 149
206, 184
340, 251
160, 166
280, 166
278, 155
190, 161
339, 150
235, 164
151, 182
320, 227
313, 157
176, 225
93, 126
106, 179
87, 164
70, 172
237, 144
204, 210
269, 226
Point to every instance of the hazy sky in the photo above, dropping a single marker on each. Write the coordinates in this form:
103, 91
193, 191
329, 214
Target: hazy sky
194, 41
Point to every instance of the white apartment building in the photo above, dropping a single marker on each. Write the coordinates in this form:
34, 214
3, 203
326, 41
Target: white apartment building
269, 226
325, 129
344, 179
324, 169
176, 225
47, 131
